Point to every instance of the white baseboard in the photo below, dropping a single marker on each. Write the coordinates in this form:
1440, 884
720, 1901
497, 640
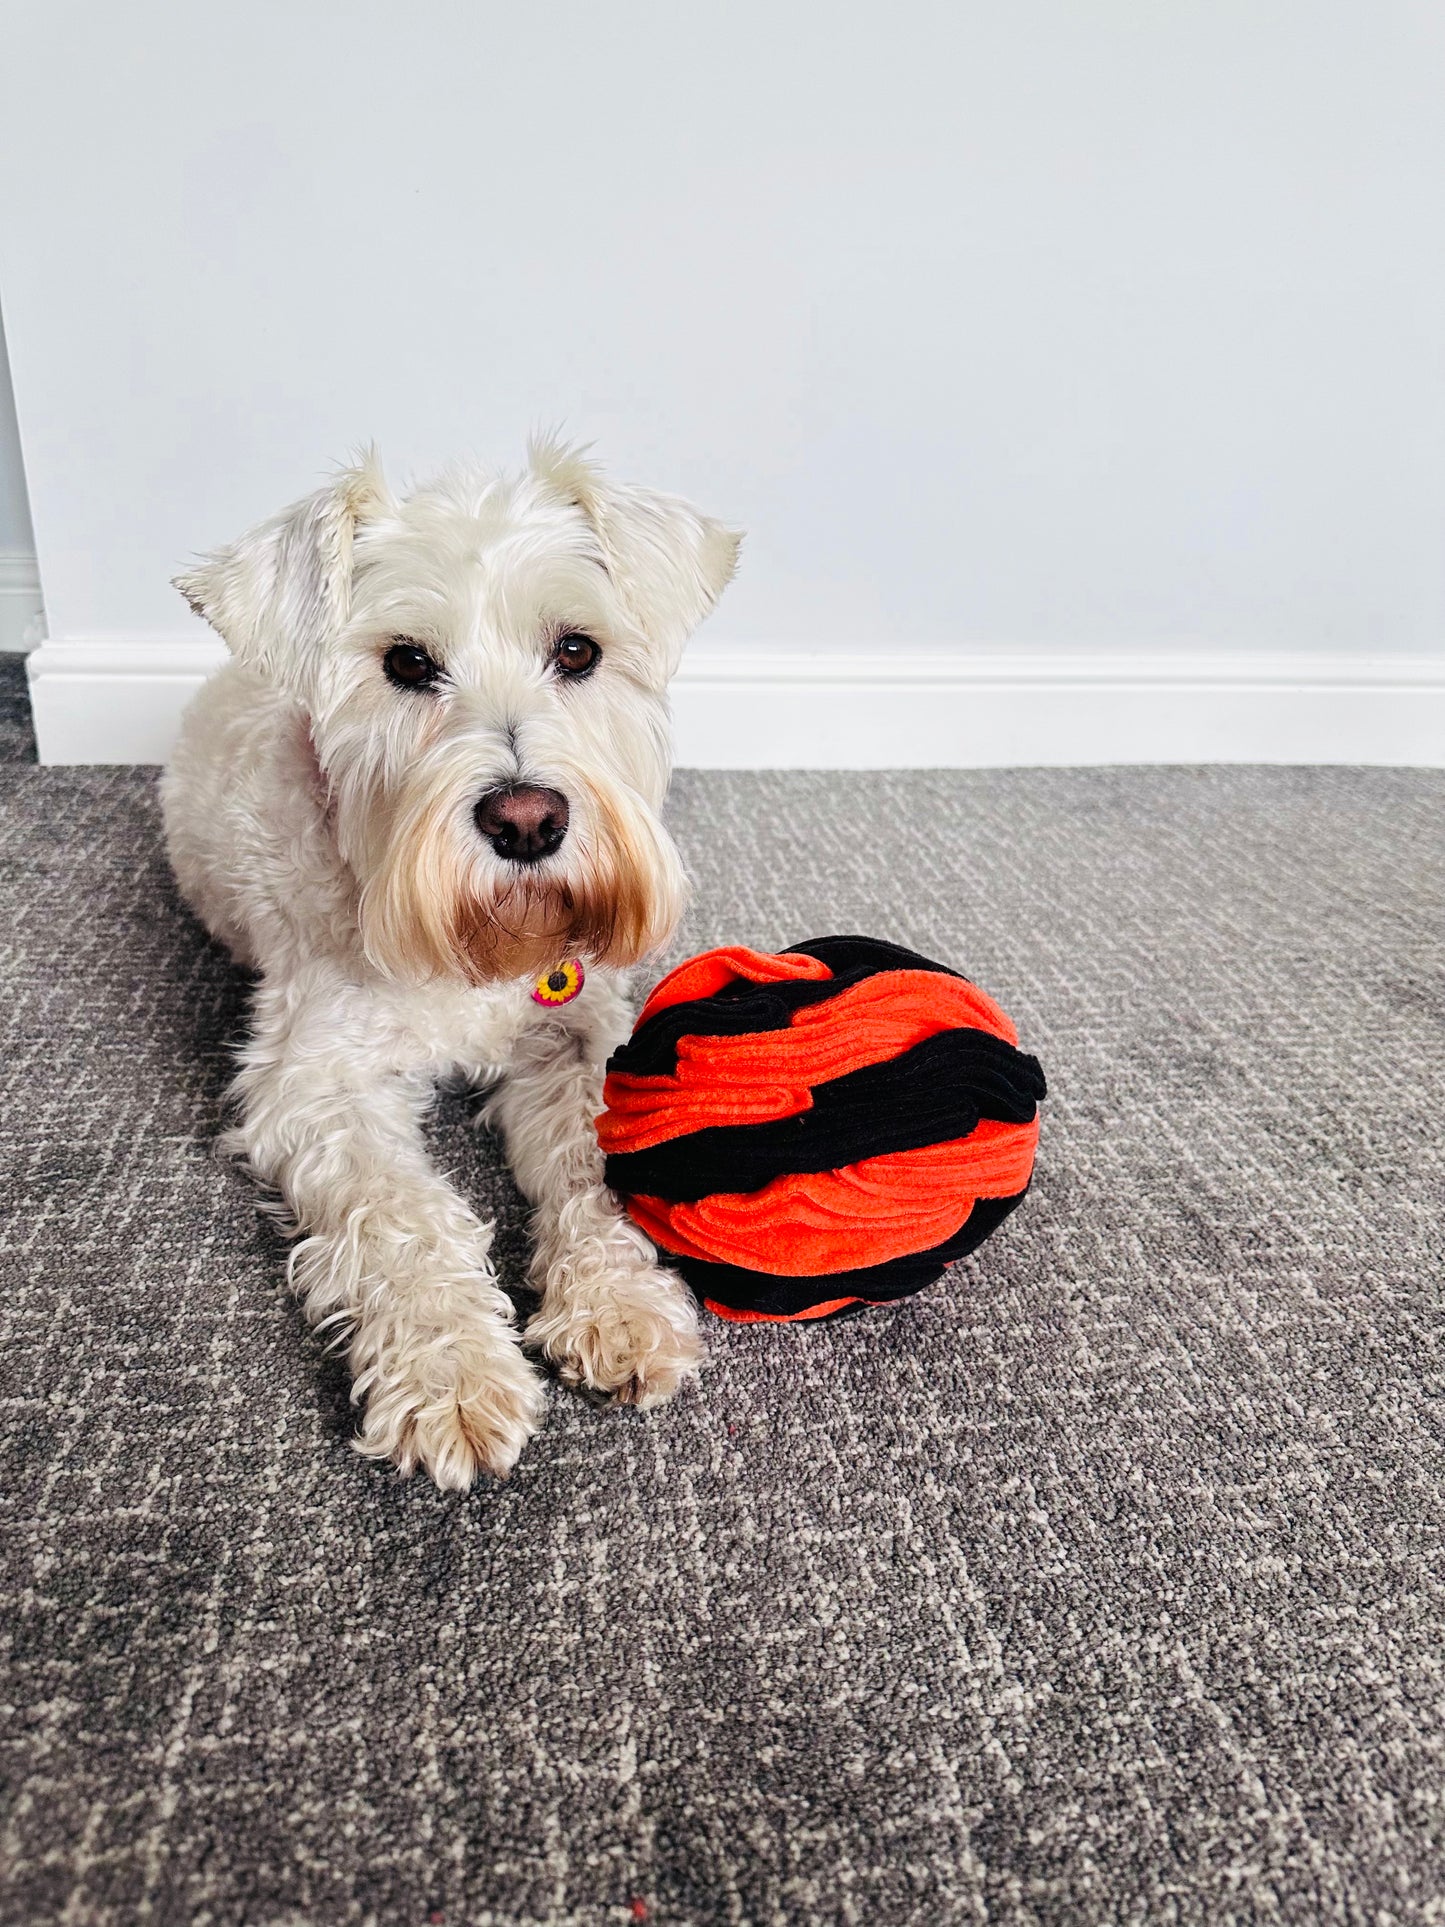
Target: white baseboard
22, 615
754, 708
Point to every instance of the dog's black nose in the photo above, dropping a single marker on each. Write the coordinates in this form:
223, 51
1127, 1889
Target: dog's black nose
523, 824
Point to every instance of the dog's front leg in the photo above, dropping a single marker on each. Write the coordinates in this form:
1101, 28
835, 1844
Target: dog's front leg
611, 1319
390, 1254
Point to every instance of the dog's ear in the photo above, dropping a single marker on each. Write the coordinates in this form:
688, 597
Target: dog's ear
669, 562
278, 595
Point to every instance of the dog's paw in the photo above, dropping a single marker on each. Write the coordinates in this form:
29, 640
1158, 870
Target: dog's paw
457, 1406
630, 1337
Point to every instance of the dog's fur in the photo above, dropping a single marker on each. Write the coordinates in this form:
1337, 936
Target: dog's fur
321, 822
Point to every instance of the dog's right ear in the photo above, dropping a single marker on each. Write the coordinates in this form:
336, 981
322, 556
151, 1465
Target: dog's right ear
280, 593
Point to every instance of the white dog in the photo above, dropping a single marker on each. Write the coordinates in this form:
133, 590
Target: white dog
431, 775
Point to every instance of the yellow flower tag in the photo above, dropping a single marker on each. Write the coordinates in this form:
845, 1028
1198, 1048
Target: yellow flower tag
560, 984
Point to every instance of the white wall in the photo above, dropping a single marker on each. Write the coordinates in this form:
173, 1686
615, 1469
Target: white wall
15, 530
1054, 325
21, 616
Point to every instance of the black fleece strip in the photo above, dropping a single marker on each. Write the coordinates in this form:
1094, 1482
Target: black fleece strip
931, 1094
743, 1290
869, 955
740, 1008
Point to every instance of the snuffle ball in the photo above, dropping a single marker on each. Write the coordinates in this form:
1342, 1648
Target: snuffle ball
806, 1134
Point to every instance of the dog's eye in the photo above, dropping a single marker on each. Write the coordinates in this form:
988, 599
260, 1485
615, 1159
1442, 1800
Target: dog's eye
409, 666
574, 655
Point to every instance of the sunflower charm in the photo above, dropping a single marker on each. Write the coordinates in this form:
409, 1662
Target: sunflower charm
560, 984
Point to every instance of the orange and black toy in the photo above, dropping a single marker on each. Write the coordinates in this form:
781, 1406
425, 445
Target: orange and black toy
805, 1134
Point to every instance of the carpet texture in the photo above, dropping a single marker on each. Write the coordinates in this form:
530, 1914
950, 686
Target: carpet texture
1103, 1582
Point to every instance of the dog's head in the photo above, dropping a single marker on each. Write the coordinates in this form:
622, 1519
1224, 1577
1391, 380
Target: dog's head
483, 665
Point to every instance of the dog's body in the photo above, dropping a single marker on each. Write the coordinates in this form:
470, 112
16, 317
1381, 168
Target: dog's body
433, 772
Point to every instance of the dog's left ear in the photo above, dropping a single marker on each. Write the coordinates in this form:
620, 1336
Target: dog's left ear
670, 563
283, 590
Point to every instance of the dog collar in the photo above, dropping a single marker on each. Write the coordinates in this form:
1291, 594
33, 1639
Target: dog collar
560, 984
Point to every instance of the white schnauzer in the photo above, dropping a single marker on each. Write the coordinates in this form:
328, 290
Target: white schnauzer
428, 781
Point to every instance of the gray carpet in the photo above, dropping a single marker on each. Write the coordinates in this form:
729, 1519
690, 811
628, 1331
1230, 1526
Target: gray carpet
1102, 1583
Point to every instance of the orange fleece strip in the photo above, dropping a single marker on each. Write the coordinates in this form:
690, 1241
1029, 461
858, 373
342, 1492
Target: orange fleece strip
735, 1317
768, 1074
813, 1222
714, 970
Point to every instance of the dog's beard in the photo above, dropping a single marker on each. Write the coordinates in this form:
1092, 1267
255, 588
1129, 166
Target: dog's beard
434, 905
